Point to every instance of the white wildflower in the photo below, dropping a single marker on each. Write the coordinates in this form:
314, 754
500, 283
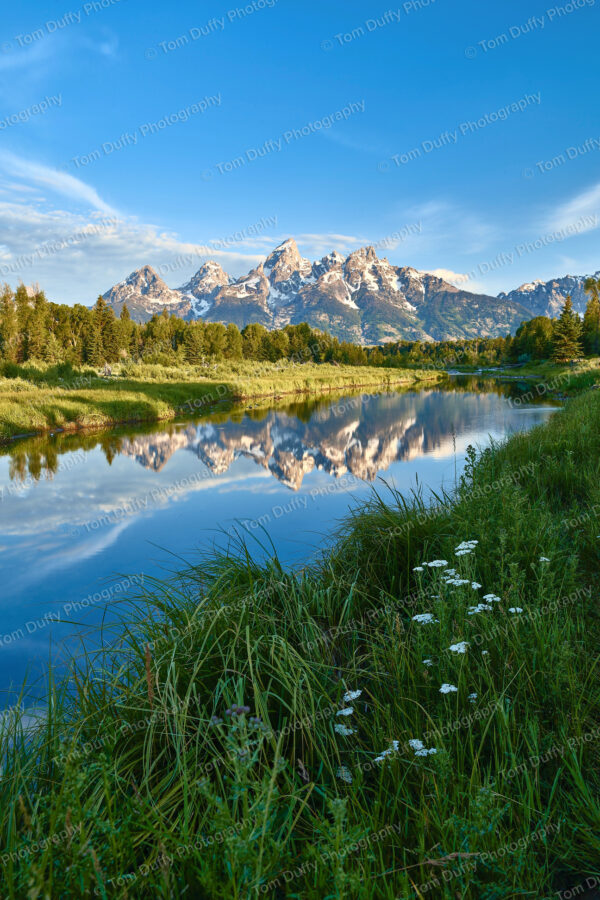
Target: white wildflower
544, 559
345, 774
515, 609
424, 618
461, 647
416, 744
462, 552
418, 569
485, 652
493, 598
425, 752
437, 563
347, 711
392, 749
341, 729
473, 697
448, 689
351, 695
475, 585
481, 607
467, 545
427, 662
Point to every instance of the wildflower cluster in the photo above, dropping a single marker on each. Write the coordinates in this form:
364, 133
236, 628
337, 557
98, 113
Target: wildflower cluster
343, 772
420, 748
449, 582
465, 548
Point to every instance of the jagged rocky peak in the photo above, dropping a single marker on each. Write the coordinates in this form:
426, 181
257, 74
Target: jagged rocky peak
529, 286
255, 282
411, 273
333, 260
145, 288
281, 264
208, 278
366, 253
360, 260
364, 269
146, 281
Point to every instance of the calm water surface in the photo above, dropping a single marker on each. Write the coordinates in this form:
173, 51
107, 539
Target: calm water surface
83, 516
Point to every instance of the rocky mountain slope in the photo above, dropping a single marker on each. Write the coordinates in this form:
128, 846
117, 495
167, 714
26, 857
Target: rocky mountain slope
360, 298
545, 298
146, 294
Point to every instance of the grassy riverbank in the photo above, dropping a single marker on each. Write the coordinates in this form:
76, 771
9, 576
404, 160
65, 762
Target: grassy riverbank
38, 398
553, 378
143, 782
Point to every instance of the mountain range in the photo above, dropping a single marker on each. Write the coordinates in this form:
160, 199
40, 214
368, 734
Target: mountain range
359, 298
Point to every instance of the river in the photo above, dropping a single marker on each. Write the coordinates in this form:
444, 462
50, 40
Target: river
87, 518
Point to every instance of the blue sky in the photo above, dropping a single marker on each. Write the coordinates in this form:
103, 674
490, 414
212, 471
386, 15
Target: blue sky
455, 136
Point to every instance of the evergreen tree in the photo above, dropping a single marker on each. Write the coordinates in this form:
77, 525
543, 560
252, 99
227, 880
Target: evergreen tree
8, 326
276, 345
233, 342
252, 337
37, 331
110, 341
591, 319
52, 352
567, 334
194, 348
125, 330
94, 353
302, 342
591, 286
77, 324
23, 307
216, 335
101, 312
533, 340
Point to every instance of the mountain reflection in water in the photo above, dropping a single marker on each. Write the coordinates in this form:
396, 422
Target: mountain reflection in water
362, 434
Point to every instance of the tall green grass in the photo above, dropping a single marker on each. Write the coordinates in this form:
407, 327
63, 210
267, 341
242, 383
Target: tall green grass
197, 754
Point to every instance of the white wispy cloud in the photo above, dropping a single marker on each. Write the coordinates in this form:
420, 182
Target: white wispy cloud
54, 180
317, 245
75, 256
456, 278
584, 204
27, 59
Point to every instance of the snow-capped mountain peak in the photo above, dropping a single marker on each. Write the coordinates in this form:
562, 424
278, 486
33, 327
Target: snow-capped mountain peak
546, 298
145, 292
360, 297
